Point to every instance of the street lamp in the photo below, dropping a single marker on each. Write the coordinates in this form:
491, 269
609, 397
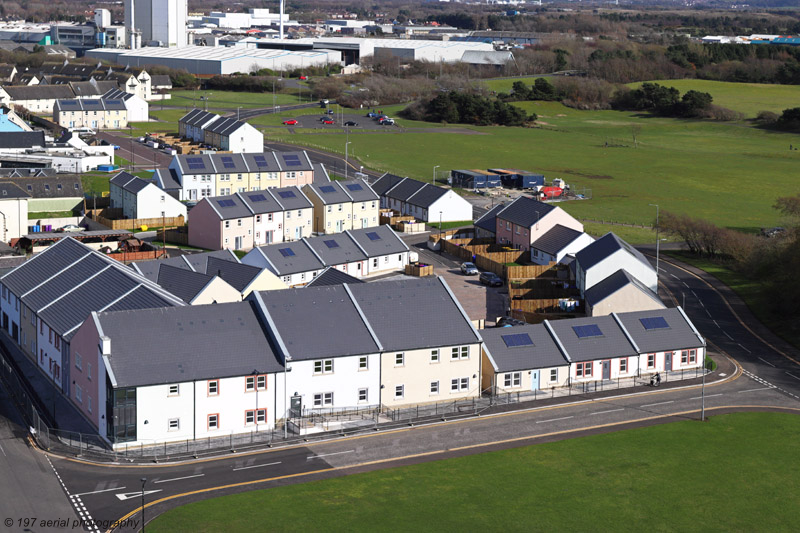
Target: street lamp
657, 240
286, 369
143, 480
237, 112
346, 164
433, 181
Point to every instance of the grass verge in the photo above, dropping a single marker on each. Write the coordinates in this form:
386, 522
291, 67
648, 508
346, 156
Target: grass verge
729, 474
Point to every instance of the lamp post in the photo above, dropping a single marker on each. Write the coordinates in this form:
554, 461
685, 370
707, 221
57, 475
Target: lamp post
287, 411
237, 112
346, 164
143, 480
657, 240
433, 180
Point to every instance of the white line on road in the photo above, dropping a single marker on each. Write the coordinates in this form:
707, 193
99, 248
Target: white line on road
707, 396
99, 491
745, 349
610, 411
726, 334
177, 478
256, 466
674, 276
790, 374
662, 269
659, 403
754, 390
701, 304
327, 454
554, 419
2, 450
694, 293
687, 285
709, 314
770, 364
715, 323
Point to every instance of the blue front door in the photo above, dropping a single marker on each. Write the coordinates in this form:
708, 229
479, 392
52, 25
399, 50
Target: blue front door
534, 380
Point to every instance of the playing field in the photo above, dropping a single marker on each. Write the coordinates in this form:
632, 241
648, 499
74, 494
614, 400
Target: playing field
734, 473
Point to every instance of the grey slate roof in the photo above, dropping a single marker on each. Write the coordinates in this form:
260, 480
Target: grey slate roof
405, 189
10, 190
359, 190
525, 211
330, 193
183, 283
43, 265
604, 247
129, 182
613, 283
255, 163
59, 186
612, 343
488, 221
544, 353
199, 262
678, 336
185, 344
203, 164
260, 202
228, 207
160, 80
556, 239
90, 105
21, 139
387, 243
386, 182
196, 117
38, 92
294, 161
69, 277
297, 200
413, 314
320, 174
427, 195
229, 163
167, 179
332, 276
237, 275
224, 126
302, 258
336, 249
310, 322
194, 262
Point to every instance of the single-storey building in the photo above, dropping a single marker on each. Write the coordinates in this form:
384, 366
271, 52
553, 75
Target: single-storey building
421, 200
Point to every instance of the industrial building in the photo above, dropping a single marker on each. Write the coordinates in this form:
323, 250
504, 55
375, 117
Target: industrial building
475, 179
212, 61
156, 22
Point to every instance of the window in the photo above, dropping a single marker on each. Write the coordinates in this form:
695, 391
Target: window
324, 366
399, 391
299, 213
362, 395
323, 398
261, 416
363, 363
692, 356
57, 342
258, 218
288, 214
227, 224
78, 361
434, 387
553, 374
261, 382
89, 371
249, 417
623, 365
213, 387
250, 383
399, 359
239, 222
174, 390
513, 379
457, 384
459, 352
651, 360
174, 424
79, 393
89, 403
341, 207
583, 370
435, 356
213, 421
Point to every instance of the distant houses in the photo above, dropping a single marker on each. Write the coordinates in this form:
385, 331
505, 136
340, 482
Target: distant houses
138, 198
223, 133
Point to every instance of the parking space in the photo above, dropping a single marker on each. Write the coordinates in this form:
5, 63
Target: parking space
361, 121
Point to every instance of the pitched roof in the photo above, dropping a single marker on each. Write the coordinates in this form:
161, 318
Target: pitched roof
330, 193
294, 161
487, 221
426, 195
578, 338
167, 179
260, 202
83, 104
604, 247
160, 80
310, 322
386, 182
320, 174
129, 182
38, 92
613, 283
21, 139
291, 257
228, 207
404, 189
556, 239
197, 117
58, 186
184, 344
525, 211
678, 334
378, 241
414, 314
332, 276
291, 198
359, 190
229, 163
10, 190
509, 353
224, 126
336, 249
183, 283
237, 275
194, 262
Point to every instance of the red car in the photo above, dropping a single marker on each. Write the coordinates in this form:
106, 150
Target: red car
328, 121
303, 78
291, 122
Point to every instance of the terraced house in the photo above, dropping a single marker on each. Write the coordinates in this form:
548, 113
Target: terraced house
343, 205
95, 114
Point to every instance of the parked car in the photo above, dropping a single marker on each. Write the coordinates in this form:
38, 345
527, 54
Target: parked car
291, 122
71, 228
386, 121
350, 123
328, 121
507, 322
469, 269
372, 114
304, 77
491, 279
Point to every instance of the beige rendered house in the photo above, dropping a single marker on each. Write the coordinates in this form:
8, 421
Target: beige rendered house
342, 205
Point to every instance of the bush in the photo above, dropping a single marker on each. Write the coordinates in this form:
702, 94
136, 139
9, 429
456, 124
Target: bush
465, 108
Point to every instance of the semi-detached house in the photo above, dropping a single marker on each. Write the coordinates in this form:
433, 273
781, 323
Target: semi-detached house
525, 220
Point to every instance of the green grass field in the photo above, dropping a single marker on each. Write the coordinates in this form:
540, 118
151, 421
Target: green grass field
734, 473
730, 173
233, 99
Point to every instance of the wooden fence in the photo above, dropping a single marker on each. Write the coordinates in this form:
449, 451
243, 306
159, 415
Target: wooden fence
419, 270
137, 256
176, 236
107, 216
546, 287
487, 255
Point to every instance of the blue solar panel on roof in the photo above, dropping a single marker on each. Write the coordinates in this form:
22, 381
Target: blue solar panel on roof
331, 243
656, 322
354, 186
226, 203
517, 339
287, 194
291, 160
286, 252
195, 163
113, 102
590, 330
257, 198
327, 189
227, 162
373, 236
260, 160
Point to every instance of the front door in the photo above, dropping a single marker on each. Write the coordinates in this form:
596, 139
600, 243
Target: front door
667, 361
237, 243
534, 380
295, 406
364, 222
606, 369
15, 331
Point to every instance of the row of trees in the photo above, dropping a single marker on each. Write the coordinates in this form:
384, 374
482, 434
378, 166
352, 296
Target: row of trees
460, 107
664, 101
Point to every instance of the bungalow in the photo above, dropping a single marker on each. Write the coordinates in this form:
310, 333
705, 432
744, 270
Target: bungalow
620, 292
423, 201
606, 255
342, 205
558, 243
193, 123
525, 220
139, 198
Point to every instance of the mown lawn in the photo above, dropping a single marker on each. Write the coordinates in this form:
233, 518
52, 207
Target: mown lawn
233, 99
733, 473
729, 173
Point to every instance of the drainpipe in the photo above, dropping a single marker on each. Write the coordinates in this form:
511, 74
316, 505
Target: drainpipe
5, 226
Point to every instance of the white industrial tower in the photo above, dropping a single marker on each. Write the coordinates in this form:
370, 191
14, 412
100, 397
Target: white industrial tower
156, 21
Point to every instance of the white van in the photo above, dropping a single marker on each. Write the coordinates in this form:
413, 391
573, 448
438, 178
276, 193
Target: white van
82, 131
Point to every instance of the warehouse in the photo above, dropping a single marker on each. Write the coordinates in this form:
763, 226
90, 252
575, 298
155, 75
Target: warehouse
217, 60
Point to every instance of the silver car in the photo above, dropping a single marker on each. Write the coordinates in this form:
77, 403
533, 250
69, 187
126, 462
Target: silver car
469, 269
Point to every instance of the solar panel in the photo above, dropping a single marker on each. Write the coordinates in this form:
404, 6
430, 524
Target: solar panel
327, 189
226, 203
291, 160
227, 162
373, 236
113, 102
656, 322
517, 339
261, 161
331, 243
354, 186
257, 198
287, 194
195, 163
590, 330
286, 252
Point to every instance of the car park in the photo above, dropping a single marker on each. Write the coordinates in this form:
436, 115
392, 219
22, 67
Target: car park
469, 269
491, 279
350, 123
291, 122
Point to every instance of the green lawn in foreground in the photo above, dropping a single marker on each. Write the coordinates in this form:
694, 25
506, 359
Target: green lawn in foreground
746, 98
733, 473
233, 99
699, 167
